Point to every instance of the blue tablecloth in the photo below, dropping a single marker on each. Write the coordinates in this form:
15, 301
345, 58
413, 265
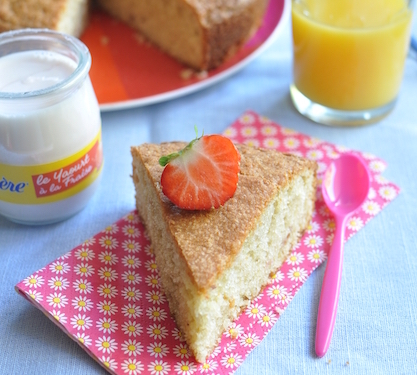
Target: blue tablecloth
376, 327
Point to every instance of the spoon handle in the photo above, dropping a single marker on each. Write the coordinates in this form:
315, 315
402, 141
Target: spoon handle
330, 289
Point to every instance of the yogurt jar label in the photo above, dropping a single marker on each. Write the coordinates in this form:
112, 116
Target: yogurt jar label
45, 183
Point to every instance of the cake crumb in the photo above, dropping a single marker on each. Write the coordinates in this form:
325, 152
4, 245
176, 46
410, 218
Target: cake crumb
202, 75
141, 39
347, 363
190, 73
234, 333
329, 361
186, 73
104, 40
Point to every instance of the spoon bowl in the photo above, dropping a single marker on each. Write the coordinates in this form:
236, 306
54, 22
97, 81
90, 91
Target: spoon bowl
345, 187
346, 184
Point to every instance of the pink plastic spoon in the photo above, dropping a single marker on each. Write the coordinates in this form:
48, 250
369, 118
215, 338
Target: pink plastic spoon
345, 187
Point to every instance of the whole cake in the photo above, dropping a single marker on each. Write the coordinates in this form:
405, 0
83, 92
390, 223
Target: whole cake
67, 16
205, 257
199, 33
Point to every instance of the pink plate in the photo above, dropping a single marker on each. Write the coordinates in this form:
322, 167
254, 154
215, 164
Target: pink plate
128, 72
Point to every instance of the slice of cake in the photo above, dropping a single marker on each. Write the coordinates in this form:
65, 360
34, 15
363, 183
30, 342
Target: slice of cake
212, 263
67, 16
199, 33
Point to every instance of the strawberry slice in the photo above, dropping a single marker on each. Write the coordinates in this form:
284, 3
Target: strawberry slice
203, 175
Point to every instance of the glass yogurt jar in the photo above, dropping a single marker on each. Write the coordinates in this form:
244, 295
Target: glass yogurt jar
50, 127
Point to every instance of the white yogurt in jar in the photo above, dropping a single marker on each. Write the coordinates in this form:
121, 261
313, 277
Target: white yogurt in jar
33, 70
50, 144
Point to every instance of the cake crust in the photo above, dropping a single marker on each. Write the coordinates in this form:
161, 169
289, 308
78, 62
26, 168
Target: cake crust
16, 14
209, 241
69, 16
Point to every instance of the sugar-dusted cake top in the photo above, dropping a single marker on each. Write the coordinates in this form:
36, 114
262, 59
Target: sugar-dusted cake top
210, 240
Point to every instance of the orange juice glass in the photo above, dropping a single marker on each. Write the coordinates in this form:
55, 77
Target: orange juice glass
348, 58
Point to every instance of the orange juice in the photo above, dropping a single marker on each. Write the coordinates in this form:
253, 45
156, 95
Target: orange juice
349, 54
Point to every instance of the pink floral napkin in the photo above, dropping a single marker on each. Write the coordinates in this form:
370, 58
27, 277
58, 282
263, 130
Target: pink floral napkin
106, 293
